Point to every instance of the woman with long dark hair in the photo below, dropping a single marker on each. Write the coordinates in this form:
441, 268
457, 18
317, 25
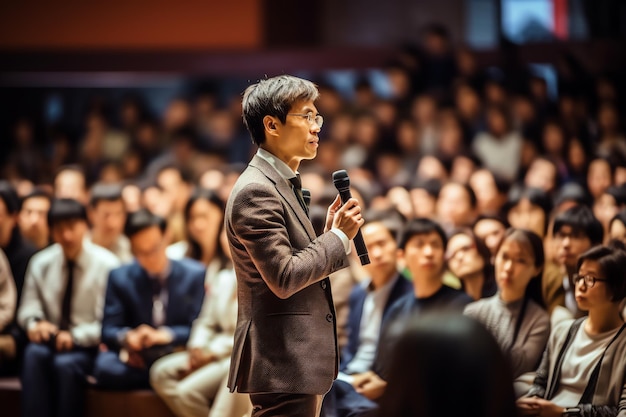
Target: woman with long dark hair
204, 219
516, 315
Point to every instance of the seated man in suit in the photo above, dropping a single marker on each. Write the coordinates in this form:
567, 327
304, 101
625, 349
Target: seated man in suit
369, 303
61, 309
149, 307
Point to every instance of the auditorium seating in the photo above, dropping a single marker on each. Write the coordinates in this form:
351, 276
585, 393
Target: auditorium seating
137, 403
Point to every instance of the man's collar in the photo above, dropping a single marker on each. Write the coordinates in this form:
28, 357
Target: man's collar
281, 167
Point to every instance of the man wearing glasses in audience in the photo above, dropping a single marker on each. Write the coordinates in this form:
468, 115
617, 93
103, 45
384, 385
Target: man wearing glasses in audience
575, 230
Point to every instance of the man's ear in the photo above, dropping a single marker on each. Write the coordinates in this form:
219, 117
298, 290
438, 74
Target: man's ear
270, 124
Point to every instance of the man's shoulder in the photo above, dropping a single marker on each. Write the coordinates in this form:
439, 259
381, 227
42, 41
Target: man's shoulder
188, 266
124, 274
455, 296
47, 255
100, 256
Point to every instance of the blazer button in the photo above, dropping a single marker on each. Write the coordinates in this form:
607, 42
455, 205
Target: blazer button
329, 317
323, 284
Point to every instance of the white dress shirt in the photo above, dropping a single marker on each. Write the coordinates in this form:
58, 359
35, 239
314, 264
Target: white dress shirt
44, 287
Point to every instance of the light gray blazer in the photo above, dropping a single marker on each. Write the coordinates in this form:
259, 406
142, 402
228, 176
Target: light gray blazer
286, 338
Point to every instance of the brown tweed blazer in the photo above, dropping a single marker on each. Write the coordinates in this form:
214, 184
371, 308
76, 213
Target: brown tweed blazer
286, 338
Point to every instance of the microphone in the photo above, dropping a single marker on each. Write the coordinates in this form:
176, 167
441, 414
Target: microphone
342, 184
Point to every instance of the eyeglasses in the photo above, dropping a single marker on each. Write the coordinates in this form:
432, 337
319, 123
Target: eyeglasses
310, 117
462, 250
590, 280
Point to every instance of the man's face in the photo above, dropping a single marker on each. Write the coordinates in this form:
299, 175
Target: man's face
424, 255
382, 250
69, 234
569, 246
33, 217
298, 138
107, 219
70, 184
453, 205
148, 247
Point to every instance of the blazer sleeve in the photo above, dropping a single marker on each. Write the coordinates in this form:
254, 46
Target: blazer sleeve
192, 297
8, 293
258, 219
113, 325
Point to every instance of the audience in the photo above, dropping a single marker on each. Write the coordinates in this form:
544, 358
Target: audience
583, 371
491, 230
447, 366
193, 382
32, 218
516, 316
8, 304
107, 215
370, 301
454, 142
574, 231
18, 252
617, 226
149, 306
469, 260
61, 311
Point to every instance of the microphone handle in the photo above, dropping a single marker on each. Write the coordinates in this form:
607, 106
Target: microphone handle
359, 244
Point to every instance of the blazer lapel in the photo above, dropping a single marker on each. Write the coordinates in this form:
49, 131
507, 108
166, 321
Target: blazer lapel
286, 192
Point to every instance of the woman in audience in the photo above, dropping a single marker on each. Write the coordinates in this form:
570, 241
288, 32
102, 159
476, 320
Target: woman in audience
617, 226
447, 366
469, 259
516, 316
583, 369
204, 216
529, 208
490, 229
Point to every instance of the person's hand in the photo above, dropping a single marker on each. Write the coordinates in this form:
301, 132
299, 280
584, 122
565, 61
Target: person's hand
371, 386
534, 406
155, 337
359, 379
64, 341
347, 218
199, 357
135, 338
41, 331
330, 213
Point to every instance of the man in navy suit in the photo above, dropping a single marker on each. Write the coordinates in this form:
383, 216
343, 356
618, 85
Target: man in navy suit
369, 304
149, 307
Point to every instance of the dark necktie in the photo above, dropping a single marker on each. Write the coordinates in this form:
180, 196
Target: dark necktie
297, 189
66, 307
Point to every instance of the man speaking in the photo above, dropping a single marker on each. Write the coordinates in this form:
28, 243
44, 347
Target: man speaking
285, 352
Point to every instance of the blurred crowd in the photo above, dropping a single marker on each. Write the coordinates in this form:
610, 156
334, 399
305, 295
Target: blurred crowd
476, 151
